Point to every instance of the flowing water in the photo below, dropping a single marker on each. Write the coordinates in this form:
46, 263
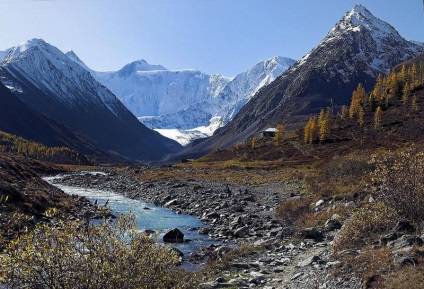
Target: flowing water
148, 216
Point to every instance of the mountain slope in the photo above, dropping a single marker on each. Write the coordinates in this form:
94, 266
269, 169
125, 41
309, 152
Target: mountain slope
49, 82
356, 50
16, 118
216, 111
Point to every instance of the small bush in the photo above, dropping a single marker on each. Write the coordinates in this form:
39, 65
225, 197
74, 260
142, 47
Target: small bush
292, 212
352, 167
398, 181
365, 226
342, 176
406, 278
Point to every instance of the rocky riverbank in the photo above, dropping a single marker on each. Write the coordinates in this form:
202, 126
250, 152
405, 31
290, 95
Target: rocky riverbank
243, 214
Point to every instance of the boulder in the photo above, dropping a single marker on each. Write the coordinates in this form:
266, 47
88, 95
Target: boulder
311, 233
319, 203
174, 236
308, 261
241, 232
405, 241
403, 259
203, 231
332, 224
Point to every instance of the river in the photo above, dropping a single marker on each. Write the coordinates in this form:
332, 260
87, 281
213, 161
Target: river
148, 216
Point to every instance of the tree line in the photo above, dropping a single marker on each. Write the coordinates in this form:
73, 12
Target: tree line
13, 144
396, 87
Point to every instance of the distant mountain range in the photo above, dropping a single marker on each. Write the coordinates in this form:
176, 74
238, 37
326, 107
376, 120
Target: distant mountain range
358, 48
185, 104
54, 98
50, 83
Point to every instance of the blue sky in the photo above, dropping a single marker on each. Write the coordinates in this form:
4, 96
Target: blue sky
214, 36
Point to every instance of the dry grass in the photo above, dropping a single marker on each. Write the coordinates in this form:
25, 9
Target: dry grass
224, 172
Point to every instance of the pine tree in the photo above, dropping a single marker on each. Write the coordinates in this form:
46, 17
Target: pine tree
378, 88
306, 131
358, 98
403, 75
324, 123
254, 142
310, 131
414, 77
344, 113
378, 117
279, 134
414, 104
405, 95
313, 130
422, 73
361, 114
393, 84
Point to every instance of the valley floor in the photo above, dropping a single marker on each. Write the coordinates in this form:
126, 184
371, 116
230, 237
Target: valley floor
243, 213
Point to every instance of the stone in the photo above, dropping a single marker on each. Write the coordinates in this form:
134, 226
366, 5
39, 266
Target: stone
214, 285
404, 226
311, 233
240, 265
257, 278
349, 205
308, 261
297, 275
403, 259
213, 215
171, 203
348, 252
241, 232
405, 241
332, 224
203, 231
173, 236
319, 203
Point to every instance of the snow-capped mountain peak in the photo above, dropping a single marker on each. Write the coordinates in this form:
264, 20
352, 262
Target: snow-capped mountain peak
44, 65
72, 55
24, 46
57, 85
361, 18
139, 65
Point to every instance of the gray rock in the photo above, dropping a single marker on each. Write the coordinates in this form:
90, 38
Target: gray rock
171, 203
241, 232
173, 236
332, 224
240, 265
297, 275
403, 259
214, 285
308, 261
203, 231
405, 241
212, 215
311, 233
319, 203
